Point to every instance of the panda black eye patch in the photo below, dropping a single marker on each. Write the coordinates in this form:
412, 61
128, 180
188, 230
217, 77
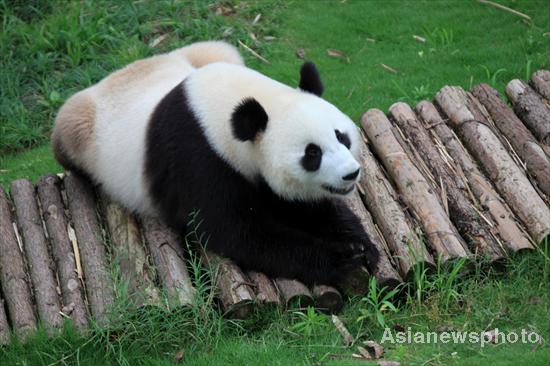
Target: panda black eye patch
343, 138
311, 161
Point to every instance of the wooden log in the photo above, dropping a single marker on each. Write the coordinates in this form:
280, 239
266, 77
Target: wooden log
397, 228
461, 209
295, 293
168, 257
415, 190
53, 213
98, 280
235, 292
357, 282
465, 115
4, 326
530, 107
327, 298
521, 139
540, 81
382, 201
506, 225
41, 266
385, 273
14, 281
127, 249
265, 290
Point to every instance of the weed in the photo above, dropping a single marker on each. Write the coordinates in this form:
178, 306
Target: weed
309, 322
492, 77
377, 303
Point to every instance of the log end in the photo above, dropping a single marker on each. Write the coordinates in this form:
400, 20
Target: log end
327, 299
514, 89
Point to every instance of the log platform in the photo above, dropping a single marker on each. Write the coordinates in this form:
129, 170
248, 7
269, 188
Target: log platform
465, 176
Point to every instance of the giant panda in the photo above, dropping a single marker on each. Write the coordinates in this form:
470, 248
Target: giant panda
264, 166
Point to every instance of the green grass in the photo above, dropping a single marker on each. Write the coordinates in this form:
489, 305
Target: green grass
49, 50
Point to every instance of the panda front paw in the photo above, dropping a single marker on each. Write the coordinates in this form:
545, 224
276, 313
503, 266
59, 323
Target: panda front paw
352, 255
349, 249
348, 259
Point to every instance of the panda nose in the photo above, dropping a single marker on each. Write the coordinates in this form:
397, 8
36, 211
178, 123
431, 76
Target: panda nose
351, 176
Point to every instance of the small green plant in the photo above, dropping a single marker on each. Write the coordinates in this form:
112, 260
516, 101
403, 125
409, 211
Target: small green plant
492, 76
528, 69
378, 303
309, 323
444, 282
440, 39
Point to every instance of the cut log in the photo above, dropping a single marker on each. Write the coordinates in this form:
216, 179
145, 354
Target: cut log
382, 201
266, 292
4, 326
98, 280
521, 139
384, 272
41, 266
327, 298
506, 225
465, 115
53, 214
415, 190
168, 257
532, 110
540, 81
127, 249
13, 279
461, 210
235, 292
295, 293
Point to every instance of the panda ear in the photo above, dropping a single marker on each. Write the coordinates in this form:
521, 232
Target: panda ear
248, 119
310, 81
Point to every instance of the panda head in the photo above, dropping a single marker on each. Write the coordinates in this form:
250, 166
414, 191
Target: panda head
305, 148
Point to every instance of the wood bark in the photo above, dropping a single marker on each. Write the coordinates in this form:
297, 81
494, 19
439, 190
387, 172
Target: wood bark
265, 290
532, 110
4, 326
53, 214
540, 81
506, 225
14, 281
327, 298
127, 249
415, 190
98, 281
465, 115
521, 139
382, 201
385, 273
235, 292
41, 266
461, 210
294, 292
168, 257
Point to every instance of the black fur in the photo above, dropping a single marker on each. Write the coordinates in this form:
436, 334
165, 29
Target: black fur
310, 81
343, 138
249, 118
311, 161
246, 221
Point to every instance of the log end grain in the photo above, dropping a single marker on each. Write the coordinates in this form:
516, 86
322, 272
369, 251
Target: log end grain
295, 293
327, 298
